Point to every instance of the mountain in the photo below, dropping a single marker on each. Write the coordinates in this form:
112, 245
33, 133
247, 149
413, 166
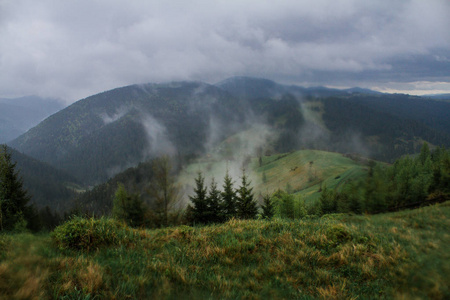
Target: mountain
382, 126
101, 135
432, 113
46, 185
444, 97
250, 88
17, 115
375, 129
358, 90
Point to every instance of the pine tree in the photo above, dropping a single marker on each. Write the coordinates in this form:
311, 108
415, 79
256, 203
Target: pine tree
228, 198
199, 208
268, 208
214, 202
128, 208
13, 197
246, 205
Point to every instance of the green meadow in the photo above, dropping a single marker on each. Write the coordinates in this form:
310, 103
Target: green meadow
402, 255
303, 172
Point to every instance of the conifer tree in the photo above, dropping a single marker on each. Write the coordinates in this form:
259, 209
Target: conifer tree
327, 201
128, 208
246, 204
119, 203
228, 198
13, 197
199, 208
268, 208
214, 202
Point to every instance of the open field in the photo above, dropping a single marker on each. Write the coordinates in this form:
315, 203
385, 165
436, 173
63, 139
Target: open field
401, 255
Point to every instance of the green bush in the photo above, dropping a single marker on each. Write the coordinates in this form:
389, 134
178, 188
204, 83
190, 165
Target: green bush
4, 245
91, 234
338, 233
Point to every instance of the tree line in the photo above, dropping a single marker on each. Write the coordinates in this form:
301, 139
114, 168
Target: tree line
206, 205
215, 206
409, 182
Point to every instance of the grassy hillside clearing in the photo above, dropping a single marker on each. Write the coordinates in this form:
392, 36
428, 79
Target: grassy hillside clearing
302, 172
403, 255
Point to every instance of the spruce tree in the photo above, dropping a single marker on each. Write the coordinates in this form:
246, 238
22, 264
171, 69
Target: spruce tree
199, 208
214, 202
268, 208
246, 204
13, 197
228, 198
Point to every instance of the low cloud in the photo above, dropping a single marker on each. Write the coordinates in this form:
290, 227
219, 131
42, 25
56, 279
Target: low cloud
110, 118
157, 138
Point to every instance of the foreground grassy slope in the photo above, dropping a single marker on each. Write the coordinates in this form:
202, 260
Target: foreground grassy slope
400, 255
303, 172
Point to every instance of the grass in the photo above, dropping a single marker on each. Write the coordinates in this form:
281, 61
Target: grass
280, 171
306, 171
403, 255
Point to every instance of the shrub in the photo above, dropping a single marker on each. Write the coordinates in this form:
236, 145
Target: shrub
90, 234
338, 234
4, 245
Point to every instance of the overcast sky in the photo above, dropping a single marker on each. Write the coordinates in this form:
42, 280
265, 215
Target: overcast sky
73, 49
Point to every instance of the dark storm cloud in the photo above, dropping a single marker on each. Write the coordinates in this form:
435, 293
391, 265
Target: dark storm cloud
72, 49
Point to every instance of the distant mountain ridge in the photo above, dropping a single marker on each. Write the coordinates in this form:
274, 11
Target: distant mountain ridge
17, 115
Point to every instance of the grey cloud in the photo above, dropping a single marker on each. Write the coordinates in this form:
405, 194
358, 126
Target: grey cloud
71, 49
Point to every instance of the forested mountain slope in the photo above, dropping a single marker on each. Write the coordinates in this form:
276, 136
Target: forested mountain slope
99, 136
46, 185
96, 137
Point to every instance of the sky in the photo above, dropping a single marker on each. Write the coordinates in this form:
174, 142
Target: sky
76, 48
